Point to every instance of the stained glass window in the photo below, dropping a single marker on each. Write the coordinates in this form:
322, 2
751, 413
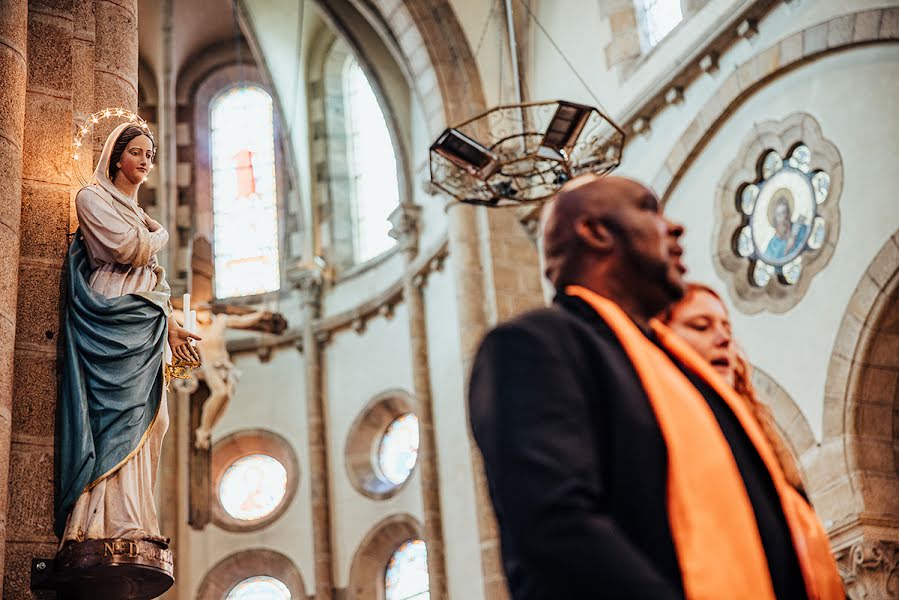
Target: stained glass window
657, 19
245, 208
399, 448
407, 573
259, 588
253, 486
372, 165
782, 220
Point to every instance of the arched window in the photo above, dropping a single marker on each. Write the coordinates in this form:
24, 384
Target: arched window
657, 18
398, 450
406, 577
259, 588
245, 207
253, 487
371, 165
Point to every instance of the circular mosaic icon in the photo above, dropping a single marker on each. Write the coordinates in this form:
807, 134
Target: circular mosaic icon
783, 215
781, 219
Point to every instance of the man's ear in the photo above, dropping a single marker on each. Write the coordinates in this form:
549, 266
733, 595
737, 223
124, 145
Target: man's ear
595, 234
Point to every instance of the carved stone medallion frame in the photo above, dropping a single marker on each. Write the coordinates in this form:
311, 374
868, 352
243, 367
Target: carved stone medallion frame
763, 273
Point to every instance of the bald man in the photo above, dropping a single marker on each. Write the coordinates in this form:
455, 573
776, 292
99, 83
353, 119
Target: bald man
570, 431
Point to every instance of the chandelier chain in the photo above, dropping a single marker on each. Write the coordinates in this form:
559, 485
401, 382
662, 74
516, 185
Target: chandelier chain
562, 54
485, 28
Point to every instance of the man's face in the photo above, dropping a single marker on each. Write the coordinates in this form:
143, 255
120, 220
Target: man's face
650, 244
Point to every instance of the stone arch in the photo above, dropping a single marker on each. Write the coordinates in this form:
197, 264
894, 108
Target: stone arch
211, 58
789, 418
251, 562
147, 90
335, 43
435, 55
240, 444
835, 35
856, 481
210, 75
861, 433
369, 564
363, 441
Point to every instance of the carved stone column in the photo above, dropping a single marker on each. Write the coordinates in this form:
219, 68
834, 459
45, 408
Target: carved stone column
870, 569
173, 512
13, 73
308, 280
472, 299
405, 220
115, 54
45, 213
497, 277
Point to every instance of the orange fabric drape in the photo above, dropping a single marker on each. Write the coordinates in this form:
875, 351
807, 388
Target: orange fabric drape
713, 525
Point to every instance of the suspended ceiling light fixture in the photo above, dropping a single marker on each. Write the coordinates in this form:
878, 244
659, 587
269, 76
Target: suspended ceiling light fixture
521, 154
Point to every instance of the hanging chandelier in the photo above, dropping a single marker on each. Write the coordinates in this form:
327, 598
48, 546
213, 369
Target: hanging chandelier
521, 154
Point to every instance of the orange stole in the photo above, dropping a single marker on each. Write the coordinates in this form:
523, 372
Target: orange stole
713, 525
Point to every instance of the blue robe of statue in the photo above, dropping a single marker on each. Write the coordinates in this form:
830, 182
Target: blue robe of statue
112, 380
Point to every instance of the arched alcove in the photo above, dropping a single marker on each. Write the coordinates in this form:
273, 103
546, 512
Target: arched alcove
252, 562
369, 564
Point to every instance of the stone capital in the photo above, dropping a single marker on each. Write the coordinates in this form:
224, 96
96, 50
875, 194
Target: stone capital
308, 278
870, 569
406, 225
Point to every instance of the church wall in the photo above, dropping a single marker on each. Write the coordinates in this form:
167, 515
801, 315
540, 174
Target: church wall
357, 368
463, 569
645, 154
269, 396
795, 347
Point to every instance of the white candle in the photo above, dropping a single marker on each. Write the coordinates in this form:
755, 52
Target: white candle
193, 326
186, 309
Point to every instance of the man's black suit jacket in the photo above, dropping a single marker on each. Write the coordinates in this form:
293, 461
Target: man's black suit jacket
577, 465
575, 460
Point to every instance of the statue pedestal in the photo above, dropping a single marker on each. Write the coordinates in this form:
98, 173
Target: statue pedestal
112, 569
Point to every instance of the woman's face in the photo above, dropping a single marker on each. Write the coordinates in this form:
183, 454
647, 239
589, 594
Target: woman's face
137, 160
701, 320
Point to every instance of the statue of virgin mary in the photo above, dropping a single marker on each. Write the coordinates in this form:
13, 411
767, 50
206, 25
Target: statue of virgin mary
112, 413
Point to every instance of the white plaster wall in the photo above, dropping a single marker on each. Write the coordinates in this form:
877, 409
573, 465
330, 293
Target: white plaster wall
645, 154
582, 33
357, 368
579, 29
457, 495
852, 95
269, 396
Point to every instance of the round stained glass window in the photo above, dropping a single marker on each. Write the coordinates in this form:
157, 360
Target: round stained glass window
399, 448
407, 573
252, 487
259, 588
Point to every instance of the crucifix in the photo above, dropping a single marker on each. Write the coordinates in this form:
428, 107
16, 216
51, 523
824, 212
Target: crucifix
217, 375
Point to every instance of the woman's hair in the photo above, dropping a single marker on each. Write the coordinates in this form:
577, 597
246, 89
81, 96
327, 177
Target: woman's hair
691, 288
128, 134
